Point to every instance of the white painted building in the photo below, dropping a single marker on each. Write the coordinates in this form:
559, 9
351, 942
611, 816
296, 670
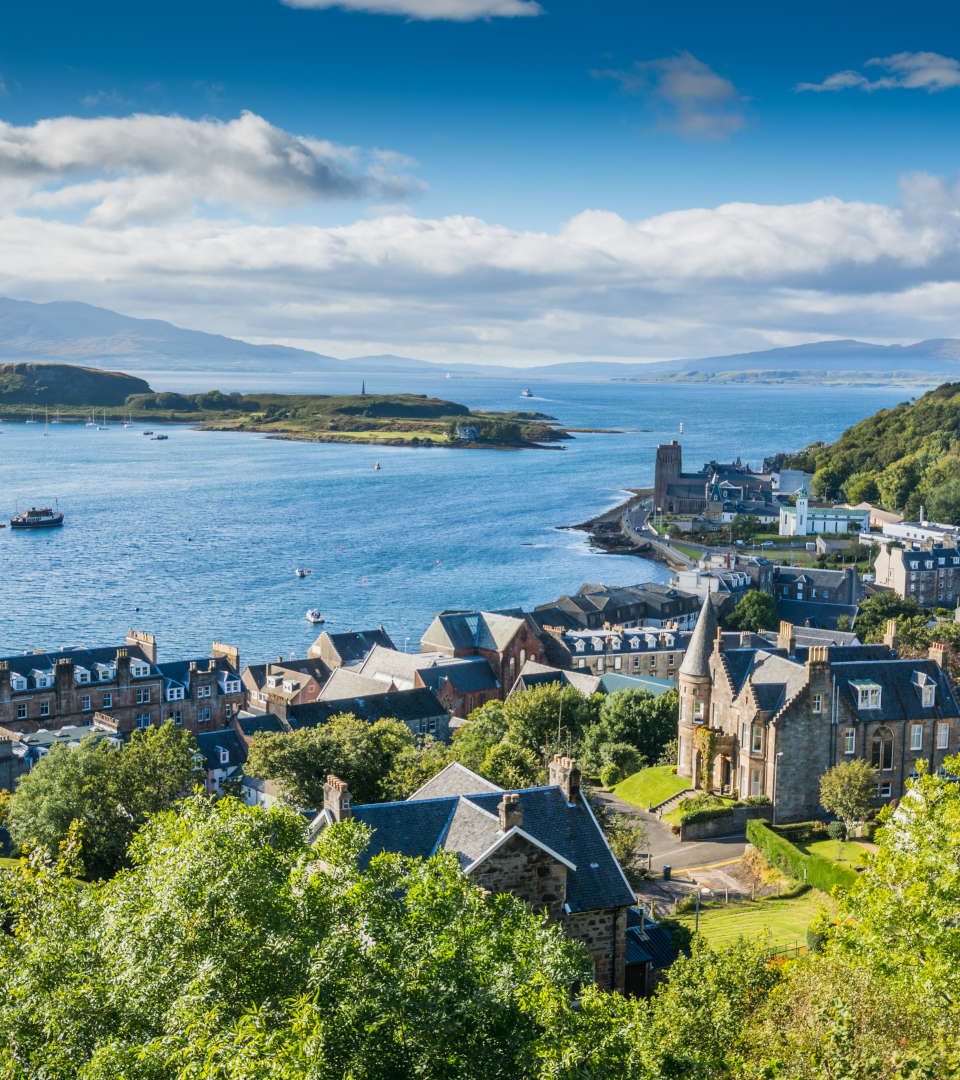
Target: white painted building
806, 520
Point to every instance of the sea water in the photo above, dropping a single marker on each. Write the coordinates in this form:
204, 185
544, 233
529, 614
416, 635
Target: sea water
197, 538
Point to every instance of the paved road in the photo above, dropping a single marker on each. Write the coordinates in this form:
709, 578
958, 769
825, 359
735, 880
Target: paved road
667, 850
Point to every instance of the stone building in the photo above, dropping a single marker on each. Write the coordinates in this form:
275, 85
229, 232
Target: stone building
769, 721
461, 683
541, 844
806, 520
927, 572
594, 607
506, 642
677, 492
123, 688
626, 650
348, 649
284, 683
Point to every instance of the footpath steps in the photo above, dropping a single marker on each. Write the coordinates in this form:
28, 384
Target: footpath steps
673, 802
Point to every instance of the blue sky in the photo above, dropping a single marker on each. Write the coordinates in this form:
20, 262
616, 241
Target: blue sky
522, 122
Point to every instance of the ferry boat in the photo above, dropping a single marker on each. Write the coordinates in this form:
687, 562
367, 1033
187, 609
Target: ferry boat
314, 616
37, 518
526, 392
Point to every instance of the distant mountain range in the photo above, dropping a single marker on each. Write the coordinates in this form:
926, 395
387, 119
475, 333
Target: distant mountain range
82, 334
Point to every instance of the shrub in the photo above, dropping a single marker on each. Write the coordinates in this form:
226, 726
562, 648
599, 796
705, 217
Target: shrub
813, 869
610, 775
758, 800
836, 830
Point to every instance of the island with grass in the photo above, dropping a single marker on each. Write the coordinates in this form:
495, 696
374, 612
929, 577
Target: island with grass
65, 392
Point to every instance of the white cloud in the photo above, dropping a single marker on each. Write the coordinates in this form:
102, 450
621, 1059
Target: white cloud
689, 282
694, 100
146, 166
927, 71
450, 10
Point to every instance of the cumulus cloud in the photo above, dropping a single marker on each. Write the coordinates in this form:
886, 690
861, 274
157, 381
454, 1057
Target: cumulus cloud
692, 98
449, 10
927, 71
145, 166
690, 282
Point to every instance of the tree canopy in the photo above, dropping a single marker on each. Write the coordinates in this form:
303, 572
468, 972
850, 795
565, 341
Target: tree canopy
755, 611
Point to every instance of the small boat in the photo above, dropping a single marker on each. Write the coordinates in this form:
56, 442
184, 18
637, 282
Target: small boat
376, 467
681, 427
146, 432
314, 616
302, 572
37, 518
160, 438
526, 392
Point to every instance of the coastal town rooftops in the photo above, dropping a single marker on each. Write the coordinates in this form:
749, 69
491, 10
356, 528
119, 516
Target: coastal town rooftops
930, 559
351, 647
816, 613
466, 673
467, 823
454, 779
36, 670
408, 706
221, 749
347, 683
457, 630
180, 673
534, 674
253, 723
259, 676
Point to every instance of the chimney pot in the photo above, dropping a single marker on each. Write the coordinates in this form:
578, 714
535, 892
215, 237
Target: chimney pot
890, 637
785, 638
336, 798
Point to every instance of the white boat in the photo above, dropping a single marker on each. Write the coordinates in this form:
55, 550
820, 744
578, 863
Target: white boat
526, 392
314, 616
302, 571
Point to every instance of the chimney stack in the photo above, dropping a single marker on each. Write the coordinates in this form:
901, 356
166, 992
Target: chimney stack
511, 812
786, 639
565, 774
336, 798
938, 653
890, 634
819, 656
718, 640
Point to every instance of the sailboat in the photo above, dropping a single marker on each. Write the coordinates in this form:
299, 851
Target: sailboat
33, 419
46, 422
56, 417
92, 421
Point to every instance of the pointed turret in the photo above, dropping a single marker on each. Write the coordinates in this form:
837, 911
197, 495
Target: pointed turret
696, 660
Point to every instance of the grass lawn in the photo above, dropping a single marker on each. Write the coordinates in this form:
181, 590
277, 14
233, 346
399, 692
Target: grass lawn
9, 864
651, 786
785, 921
846, 853
675, 817
691, 552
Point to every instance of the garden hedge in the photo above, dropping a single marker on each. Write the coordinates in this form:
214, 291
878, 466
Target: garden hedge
814, 869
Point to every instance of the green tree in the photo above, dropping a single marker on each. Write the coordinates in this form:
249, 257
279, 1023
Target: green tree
847, 791
645, 721
511, 766
107, 791
876, 610
360, 753
755, 611
548, 717
861, 487
231, 949
944, 501
626, 759
472, 742
413, 766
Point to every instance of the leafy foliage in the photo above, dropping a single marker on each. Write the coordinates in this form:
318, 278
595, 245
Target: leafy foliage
903, 457
362, 754
847, 791
108, 791
635, 718
755, 611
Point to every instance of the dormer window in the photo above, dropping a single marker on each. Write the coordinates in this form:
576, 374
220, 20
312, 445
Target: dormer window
615, 643
926, 688
231, 686
81, 675
139, 670
106, 672
274, 681
290, 686
579, 645
18, 682
868, 695
634, 643
598, 644
224, 755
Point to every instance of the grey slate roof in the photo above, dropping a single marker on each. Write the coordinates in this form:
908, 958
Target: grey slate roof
210, 742
352, 646
454, 779
315, 669
252, 723
26, 663
900, 699
405, 705
534, 674
472, 630
696, 660
824, 616
344, 683
423, 826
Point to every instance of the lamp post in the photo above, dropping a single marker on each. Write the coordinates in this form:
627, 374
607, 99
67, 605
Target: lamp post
776, 770
700, 891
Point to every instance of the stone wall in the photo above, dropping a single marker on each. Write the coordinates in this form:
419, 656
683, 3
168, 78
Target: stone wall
527, 871
732, 824
604, 933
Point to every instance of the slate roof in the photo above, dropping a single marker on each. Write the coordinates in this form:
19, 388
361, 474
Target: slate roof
209, 744
454, 779
405, 705
472, 630
344, 683
313, 668
26, 663
696, 660
534, 674
900, 699
468, 674
825, 616
804, 636
468, 824
917, 559
353, 645
252, 723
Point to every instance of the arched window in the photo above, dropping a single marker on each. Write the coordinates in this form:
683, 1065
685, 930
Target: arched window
881, 749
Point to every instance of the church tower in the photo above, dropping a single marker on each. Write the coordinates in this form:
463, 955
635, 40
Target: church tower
668, 468
695, 685
803, 512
